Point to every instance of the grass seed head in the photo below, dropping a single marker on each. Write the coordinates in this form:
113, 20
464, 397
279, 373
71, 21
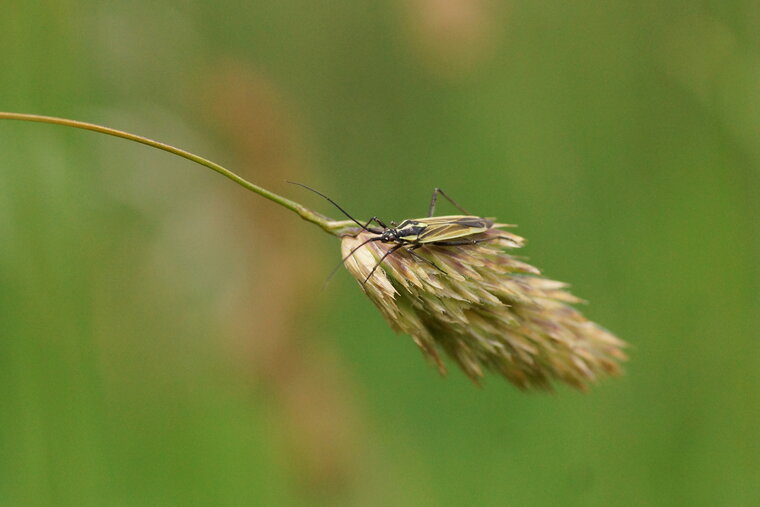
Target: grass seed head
487, 310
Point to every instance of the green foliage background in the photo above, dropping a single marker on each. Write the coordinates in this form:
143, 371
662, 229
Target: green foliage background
622, 137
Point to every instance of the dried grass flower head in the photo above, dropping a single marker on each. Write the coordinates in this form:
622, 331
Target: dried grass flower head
485, 309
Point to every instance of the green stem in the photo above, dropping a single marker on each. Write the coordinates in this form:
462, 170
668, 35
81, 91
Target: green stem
331, 226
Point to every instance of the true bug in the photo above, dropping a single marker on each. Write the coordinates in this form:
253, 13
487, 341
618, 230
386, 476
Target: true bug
411, 234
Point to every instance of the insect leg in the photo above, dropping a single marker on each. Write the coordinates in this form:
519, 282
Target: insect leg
389, 252
412, 252
344, 259
375, 219
433, 200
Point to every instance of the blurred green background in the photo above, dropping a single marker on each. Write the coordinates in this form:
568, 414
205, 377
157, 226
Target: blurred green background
164, 335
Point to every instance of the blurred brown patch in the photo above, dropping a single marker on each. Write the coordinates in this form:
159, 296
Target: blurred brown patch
454, 37
270, 310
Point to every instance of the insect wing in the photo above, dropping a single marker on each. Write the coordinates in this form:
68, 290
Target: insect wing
452, 227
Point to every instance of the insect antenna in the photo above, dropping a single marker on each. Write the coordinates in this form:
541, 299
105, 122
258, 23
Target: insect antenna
334, 204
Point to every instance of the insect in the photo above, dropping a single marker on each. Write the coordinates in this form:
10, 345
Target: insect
411, 234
